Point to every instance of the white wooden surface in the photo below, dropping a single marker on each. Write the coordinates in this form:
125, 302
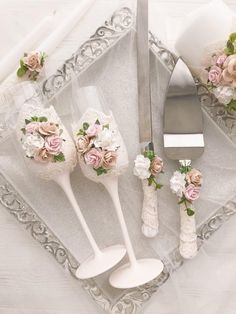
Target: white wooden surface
30, 280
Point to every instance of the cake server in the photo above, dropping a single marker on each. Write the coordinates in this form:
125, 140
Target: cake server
184, 142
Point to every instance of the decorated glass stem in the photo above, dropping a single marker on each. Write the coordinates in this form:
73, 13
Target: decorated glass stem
103, 157
147, 167
50, 154
186, 184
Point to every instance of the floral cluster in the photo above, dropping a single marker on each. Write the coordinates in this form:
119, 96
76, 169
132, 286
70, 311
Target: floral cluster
42, 140
148, 166
31, 64
221, 74
97, 145
186, 184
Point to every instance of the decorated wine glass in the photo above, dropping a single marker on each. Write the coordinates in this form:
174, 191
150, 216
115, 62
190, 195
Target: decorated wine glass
102, 156
50, 153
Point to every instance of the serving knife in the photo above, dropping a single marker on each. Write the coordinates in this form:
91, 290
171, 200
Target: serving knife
184, 142
149, 210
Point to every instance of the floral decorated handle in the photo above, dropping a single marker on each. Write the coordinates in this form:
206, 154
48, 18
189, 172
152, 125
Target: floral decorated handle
147, 168
188, 237
149, 210
186, 184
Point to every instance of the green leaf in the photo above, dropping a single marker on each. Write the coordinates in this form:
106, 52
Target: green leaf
27, 121
230, 48
81, 132
42, 119
181, 201
100, 171
34, 119
59, 157
106, 126
185, 169
23, 130
232, 37
190, 212
22, 65
85, 126
60, 132
158, 186
149, 154
21, 71
232, 105
97, 122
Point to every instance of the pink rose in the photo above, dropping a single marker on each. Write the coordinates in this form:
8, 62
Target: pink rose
32, 127
93, 130
94, 157
53, 144
221, 60
215, 74
192, 192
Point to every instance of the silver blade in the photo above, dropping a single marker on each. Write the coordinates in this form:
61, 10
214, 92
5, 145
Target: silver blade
183, 122
144, 96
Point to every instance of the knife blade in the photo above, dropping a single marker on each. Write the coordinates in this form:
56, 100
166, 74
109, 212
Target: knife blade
149, 209
143, 73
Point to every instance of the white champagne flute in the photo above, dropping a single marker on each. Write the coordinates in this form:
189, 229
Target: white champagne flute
31, 133
135, 272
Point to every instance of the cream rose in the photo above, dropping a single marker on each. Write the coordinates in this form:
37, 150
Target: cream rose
109, 159
229, 72
83, 144
33, 61
156, 166
195, 177
42, 155
48, 128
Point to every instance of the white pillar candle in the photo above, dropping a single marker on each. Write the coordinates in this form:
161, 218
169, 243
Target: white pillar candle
210, 23
65, 27
9, 62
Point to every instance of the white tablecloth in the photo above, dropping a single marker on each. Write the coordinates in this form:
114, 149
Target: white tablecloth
30, 280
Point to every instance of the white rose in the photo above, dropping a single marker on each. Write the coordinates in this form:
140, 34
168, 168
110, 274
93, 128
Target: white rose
224, 94
141, 168
177, 183
32, 143
106, 139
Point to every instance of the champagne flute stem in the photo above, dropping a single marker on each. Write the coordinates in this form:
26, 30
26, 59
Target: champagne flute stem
112, 187
64, 182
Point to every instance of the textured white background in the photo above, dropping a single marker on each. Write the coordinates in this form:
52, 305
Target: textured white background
31, 282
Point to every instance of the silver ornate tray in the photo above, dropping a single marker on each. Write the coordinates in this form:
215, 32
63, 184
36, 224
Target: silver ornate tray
106, 36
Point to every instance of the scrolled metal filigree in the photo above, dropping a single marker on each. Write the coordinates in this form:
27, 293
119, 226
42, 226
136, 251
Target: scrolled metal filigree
104, 37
